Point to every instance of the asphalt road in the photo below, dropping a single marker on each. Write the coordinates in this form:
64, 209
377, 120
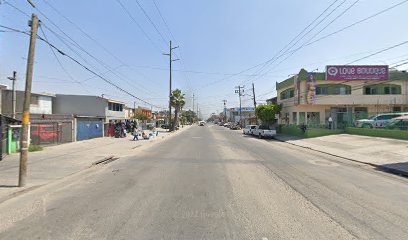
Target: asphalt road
213, 183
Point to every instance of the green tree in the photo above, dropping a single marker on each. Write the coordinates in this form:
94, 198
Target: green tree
266, 113
177, 101
140, 116
189, 115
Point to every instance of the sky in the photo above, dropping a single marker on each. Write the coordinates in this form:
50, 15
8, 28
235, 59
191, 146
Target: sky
221, 44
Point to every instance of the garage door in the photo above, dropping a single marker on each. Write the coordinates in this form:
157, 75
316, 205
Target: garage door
89, 128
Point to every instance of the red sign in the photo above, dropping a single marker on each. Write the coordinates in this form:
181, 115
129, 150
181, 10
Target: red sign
357, 72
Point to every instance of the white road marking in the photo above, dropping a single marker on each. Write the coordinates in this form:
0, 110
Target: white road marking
264, 238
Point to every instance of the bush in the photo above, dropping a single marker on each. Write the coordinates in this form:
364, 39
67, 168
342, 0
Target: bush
387, 133
34, 148
309, 133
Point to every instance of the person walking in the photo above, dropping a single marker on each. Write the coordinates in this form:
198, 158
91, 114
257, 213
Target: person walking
135, 134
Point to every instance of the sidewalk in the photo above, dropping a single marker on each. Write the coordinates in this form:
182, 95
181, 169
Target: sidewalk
383, 153
56, 162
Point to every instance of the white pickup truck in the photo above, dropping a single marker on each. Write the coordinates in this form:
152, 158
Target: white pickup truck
263, 132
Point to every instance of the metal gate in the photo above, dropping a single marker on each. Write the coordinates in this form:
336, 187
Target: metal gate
47, 133
88, 128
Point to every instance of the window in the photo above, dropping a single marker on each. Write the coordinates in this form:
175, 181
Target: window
115, 107
387, 116
288, 93
294, 118
382, 89
333, 89
396, 109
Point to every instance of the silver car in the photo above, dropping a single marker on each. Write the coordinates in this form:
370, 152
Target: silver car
378, 121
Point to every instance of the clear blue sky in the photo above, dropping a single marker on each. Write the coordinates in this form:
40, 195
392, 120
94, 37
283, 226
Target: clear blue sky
215, 38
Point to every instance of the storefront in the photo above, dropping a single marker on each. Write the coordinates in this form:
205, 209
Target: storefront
311, 98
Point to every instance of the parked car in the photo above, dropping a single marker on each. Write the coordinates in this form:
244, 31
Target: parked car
227, 124
165, 126
399, 123
235, 126
379, 120
263, 132
221, 124
201, 123
248, 129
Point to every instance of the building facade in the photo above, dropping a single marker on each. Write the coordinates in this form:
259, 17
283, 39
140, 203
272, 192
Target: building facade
82, 105
246, 117
311, 98
41, 103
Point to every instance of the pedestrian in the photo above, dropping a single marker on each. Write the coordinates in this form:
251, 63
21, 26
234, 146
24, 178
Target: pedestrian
135, 134
330, 120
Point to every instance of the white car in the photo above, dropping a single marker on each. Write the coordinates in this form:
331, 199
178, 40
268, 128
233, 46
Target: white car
248, 129
378, 121
201, 123
263, 132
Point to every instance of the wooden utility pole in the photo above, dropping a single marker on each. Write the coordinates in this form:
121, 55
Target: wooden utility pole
13, 96
24, 140
171, 60
253, 92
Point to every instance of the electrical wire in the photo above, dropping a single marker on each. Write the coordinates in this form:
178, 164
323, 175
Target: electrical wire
59, 62
82, 65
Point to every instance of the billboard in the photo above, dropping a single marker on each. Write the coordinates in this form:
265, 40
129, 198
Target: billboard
311, 88
357, 72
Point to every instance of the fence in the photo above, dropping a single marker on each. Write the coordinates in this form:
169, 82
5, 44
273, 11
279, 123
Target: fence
341, 120
49, 133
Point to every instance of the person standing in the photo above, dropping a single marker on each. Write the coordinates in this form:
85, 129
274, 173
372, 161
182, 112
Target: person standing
330, 120
135, 134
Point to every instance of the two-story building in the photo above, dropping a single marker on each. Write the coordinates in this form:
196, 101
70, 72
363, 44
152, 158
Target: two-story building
92, 114
41, 103
311, 98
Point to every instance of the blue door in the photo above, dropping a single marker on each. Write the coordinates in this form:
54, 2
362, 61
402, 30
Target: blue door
89, 128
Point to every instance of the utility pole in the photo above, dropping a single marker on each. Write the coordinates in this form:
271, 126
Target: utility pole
27, 100
193, 104
171, 60
253, 92
225, 110
240, 93
13, 97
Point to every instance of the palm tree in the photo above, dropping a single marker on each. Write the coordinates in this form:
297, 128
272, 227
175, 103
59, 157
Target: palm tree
177, 101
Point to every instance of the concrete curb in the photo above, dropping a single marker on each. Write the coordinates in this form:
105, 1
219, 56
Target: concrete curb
380, 167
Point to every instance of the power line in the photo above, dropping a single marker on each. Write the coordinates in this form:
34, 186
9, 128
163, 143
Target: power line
59, 62
279, 54
378, 52
92, 38
89, 54
151, 22
16, 8
325, 27
164, 21
340, 30
82, 65
93, 72
138, 25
